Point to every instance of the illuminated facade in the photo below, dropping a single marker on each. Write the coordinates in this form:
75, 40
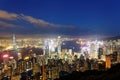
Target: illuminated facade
14, 42
53, 46
108, 62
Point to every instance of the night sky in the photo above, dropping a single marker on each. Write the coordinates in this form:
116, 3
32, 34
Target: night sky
60, 17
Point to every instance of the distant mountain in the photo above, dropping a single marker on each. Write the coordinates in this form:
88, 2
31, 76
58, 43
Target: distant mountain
112, 38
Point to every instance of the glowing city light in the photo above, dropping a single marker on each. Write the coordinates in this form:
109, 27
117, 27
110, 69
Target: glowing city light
59, 37
19, 53
11, 57
5, 56
26, 58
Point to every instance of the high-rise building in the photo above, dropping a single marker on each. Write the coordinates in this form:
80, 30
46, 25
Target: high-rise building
14, 42
108, 61
59, 46
118, 57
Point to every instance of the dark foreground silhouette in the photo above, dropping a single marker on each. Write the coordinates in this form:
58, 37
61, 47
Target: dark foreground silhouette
111, 74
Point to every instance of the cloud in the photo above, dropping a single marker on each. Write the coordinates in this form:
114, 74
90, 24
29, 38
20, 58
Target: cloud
41, 26
8, 16
12, 16
4, 24
36, 21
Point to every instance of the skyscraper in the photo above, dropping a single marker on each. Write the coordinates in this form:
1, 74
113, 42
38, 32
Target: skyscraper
14, 42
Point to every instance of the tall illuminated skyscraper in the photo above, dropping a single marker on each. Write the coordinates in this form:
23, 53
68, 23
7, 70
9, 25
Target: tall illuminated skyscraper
59, 46
14, 42
46, 48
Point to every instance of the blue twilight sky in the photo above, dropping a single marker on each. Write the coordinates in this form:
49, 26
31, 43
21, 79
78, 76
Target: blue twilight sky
65, 17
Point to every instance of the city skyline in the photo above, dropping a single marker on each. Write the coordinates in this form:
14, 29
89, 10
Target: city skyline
74, 18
